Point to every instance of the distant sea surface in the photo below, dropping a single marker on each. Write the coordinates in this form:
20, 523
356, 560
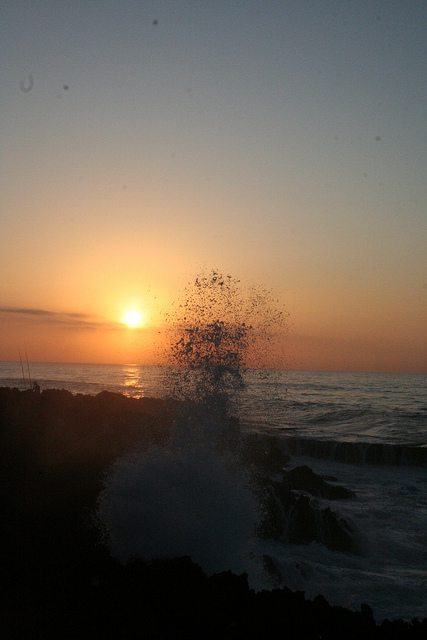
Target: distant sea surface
368, 430
381, 408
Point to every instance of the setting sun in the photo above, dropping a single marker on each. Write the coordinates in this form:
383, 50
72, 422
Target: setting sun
133, 319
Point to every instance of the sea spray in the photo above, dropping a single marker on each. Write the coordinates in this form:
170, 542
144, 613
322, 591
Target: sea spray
194, 496
172, 503
218, 328
189, 498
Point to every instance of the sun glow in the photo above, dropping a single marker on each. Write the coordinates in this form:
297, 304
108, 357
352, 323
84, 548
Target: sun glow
133, 318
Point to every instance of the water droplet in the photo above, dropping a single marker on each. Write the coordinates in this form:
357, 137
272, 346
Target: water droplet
27, 84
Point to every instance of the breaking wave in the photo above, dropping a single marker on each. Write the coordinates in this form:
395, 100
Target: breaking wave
356, 452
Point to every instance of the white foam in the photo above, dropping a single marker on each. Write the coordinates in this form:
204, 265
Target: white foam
390, 513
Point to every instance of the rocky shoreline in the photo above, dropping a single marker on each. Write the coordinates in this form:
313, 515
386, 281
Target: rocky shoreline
58, 579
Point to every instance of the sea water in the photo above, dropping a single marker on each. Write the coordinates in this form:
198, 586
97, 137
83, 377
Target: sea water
369, 430
383, 408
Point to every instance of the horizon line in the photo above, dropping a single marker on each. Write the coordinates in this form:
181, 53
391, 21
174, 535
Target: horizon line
284, 368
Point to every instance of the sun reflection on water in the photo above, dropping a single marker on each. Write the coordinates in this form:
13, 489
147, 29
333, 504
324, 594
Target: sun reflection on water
132, 382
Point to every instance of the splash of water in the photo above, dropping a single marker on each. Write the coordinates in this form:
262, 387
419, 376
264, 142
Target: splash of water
170, 503
194, 497
219, 329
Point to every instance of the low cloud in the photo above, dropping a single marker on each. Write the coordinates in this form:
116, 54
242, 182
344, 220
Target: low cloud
59, 318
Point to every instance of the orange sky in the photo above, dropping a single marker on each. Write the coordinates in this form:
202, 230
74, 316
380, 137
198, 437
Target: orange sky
331, 337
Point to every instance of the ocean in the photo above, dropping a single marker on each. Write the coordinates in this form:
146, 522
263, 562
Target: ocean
367, 430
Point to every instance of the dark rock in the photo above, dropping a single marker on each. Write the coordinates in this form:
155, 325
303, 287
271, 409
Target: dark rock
335, 532
304, 479
298, 518
272, 569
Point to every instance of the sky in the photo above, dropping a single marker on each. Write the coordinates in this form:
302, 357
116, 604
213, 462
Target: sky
283, 142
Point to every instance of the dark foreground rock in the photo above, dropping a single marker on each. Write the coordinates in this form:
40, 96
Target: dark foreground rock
99, 598
57, 579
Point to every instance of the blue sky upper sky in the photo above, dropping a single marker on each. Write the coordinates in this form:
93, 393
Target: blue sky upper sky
284, 142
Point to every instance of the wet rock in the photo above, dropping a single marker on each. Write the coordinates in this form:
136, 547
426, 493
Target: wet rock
304, 479
272, 569
298, 518
335, 532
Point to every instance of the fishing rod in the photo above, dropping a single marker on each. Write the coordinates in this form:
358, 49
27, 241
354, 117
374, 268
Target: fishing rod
22, 368
28, 368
